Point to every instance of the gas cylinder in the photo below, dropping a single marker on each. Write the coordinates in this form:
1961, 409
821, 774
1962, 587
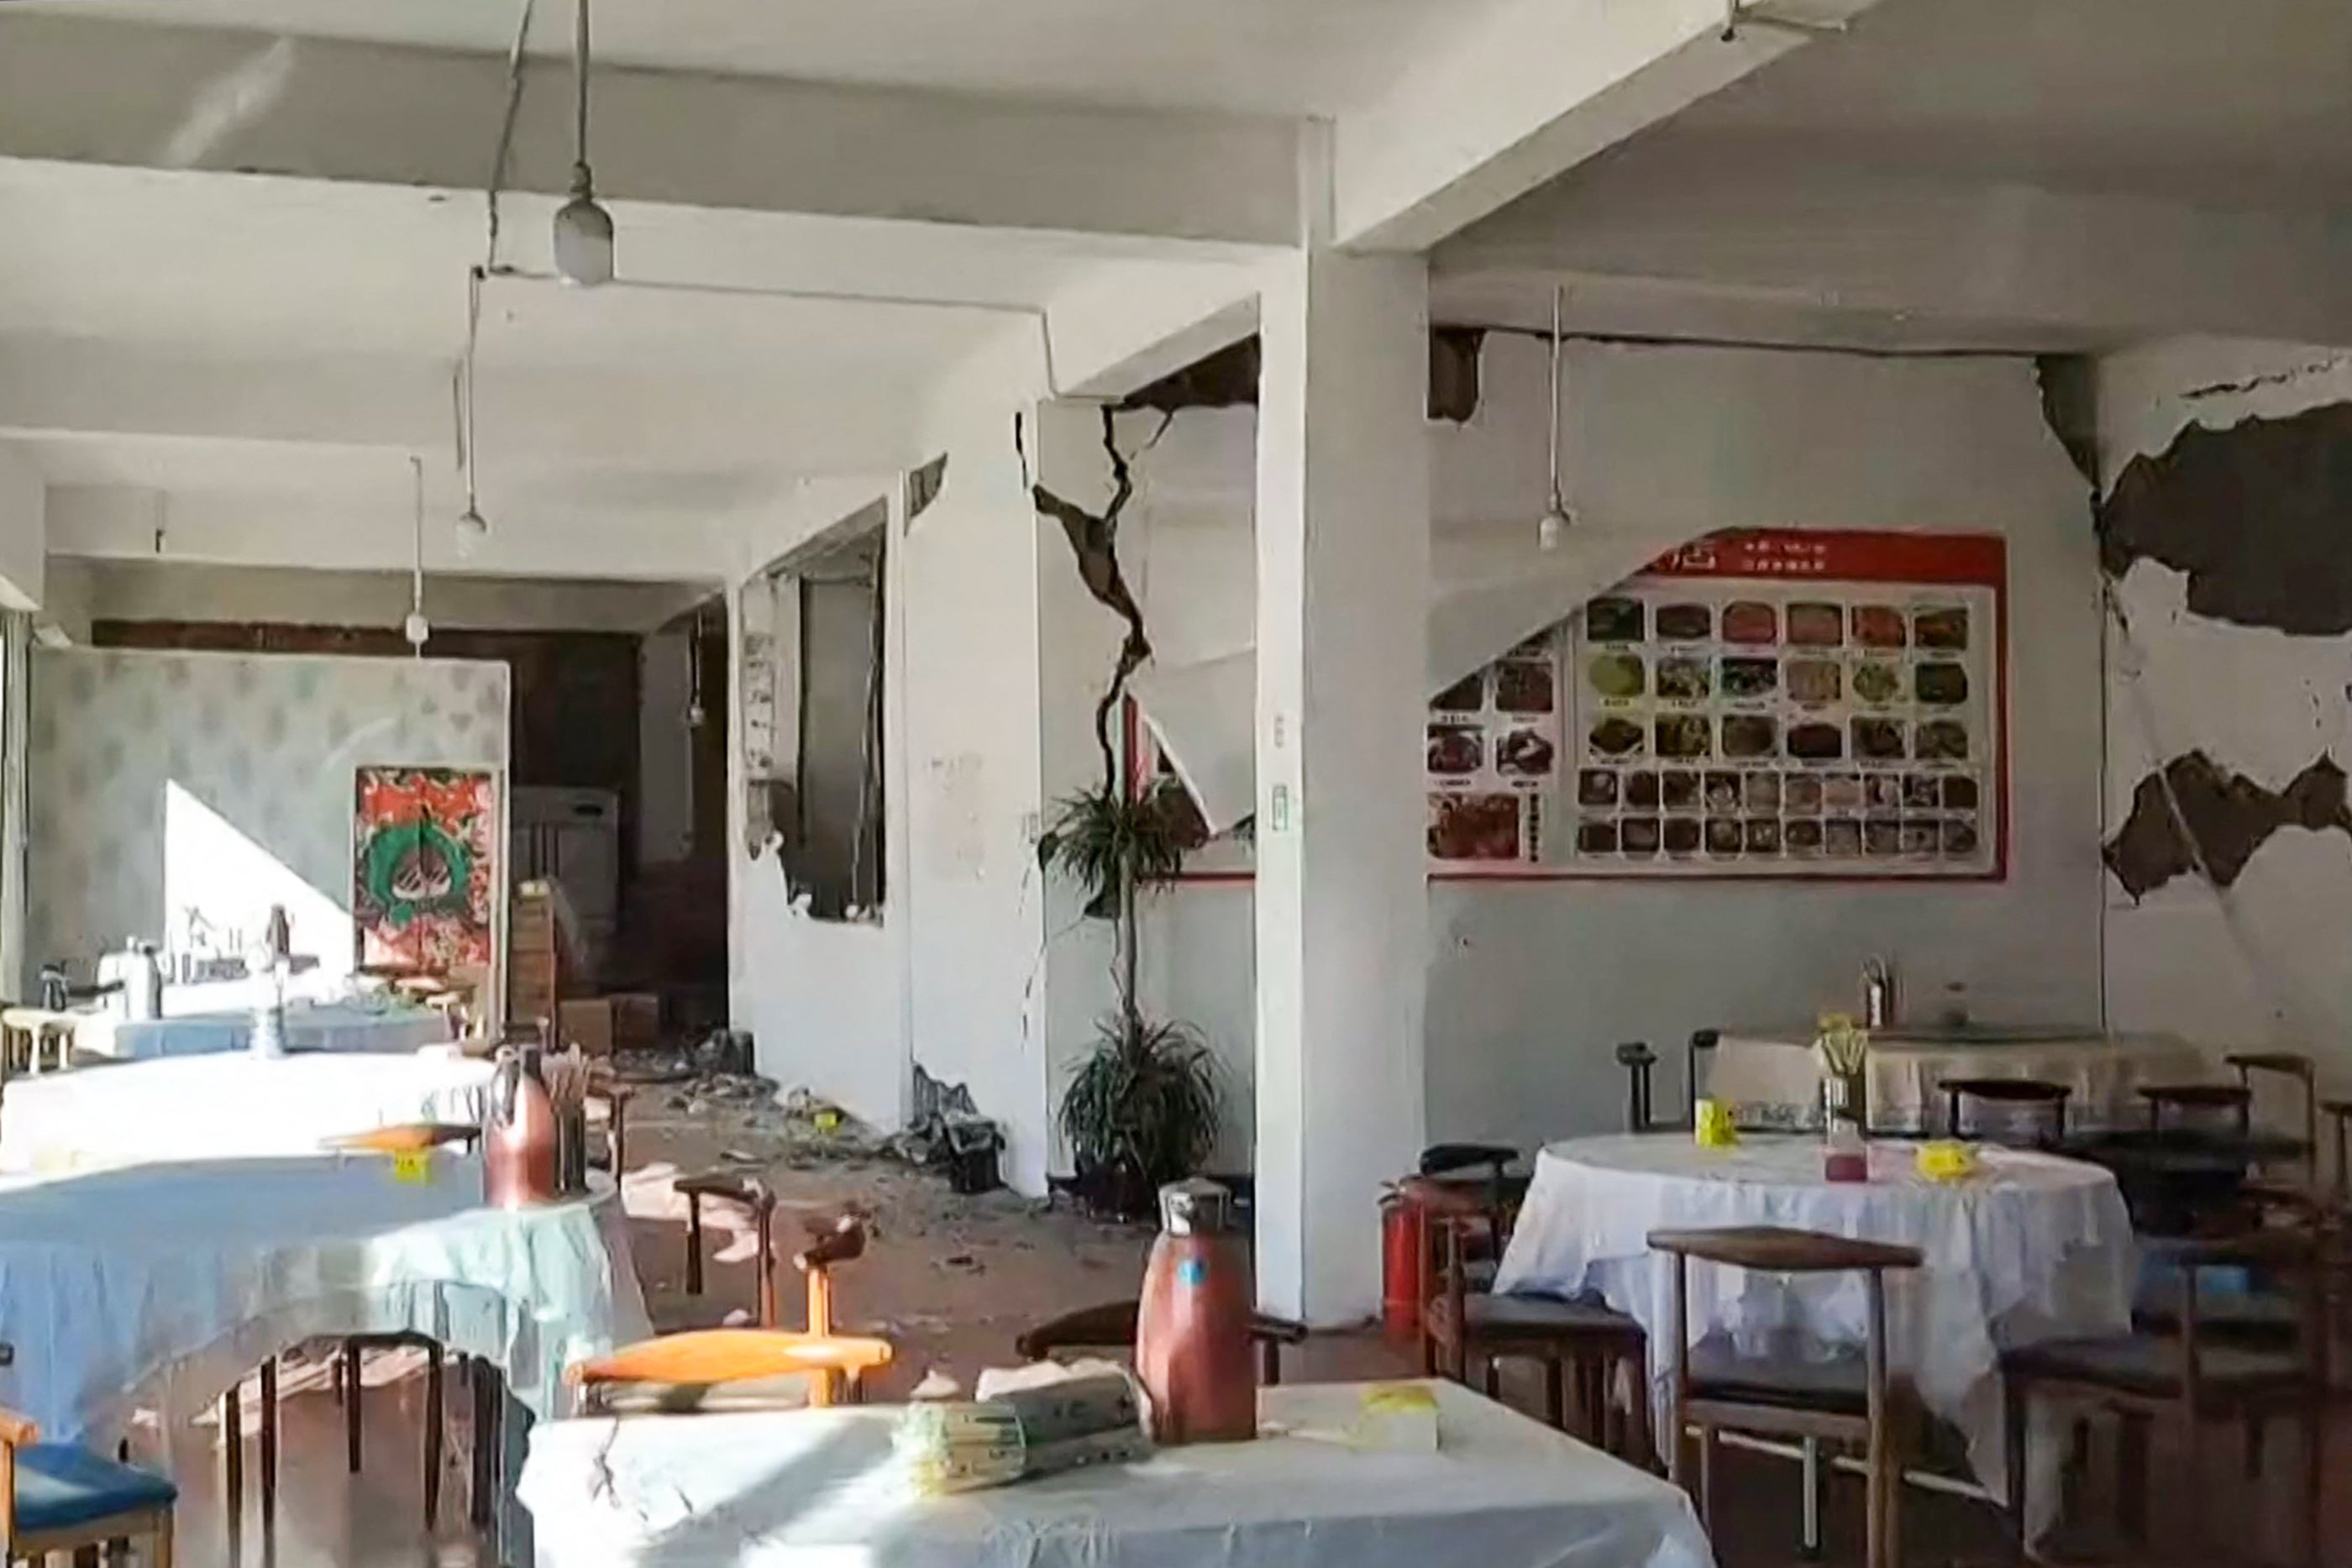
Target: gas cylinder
1192, 1327
519, 1142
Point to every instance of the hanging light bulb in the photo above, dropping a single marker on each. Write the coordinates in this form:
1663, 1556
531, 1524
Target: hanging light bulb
695, 716
472, 528
415, 628
1556, 518
583, 229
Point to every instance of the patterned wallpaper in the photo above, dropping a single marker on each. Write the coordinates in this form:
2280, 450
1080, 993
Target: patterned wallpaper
224, 782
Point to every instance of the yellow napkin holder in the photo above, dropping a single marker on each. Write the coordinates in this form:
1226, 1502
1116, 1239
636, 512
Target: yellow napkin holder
1712, 1128
1947, 1161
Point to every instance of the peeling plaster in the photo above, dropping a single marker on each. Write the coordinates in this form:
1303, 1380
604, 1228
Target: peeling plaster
2227, 818
1228, 377
2258, 517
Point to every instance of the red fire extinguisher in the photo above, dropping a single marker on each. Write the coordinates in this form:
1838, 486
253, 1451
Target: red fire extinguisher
1400, 1264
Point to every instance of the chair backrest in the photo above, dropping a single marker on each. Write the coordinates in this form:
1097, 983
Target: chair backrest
2186, 1102
837, 1242
678, 1372
1774, 1249
410, 1137
2045, 1102
1111, 1327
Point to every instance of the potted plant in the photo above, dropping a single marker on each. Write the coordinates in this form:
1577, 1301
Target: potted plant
1143, 1109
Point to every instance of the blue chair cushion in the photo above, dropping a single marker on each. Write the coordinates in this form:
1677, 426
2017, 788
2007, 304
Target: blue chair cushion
59, 1486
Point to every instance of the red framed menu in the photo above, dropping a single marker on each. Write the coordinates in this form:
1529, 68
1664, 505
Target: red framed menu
1760, 703
1764, 703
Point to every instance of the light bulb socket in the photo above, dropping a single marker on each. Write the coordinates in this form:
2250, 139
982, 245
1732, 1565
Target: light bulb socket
1553, 529
417, 629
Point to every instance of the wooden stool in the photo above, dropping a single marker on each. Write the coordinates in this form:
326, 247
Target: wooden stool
32, 1036
752, 1195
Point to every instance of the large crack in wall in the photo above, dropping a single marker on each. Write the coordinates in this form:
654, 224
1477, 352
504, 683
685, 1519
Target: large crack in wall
2253, 517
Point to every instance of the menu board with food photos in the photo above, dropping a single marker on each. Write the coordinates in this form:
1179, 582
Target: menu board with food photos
1493, 758
1789, 704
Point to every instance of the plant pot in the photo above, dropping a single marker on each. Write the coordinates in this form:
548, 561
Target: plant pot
1116, 1190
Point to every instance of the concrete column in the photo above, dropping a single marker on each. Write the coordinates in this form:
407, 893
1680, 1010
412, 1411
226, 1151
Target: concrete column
1342, 900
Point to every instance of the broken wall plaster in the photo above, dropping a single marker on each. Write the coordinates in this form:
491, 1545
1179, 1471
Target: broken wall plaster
1094, 542
2227, 818
1229, 378
2254, 514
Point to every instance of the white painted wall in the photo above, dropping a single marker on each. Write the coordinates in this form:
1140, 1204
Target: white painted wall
2264, 964
825, 1001
1531, 985
973, 782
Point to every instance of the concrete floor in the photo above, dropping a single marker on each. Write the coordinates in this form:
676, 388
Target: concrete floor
951, 1280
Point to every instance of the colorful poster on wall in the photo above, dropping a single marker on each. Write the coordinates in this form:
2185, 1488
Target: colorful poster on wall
1797, 703
425, 867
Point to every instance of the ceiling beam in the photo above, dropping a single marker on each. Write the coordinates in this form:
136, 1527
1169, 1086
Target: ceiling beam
222, 529
1530, 89
530, 418
1722, 216
90, 90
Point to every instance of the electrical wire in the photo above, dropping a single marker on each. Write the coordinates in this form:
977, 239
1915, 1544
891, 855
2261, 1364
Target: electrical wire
580, 81
515, 59
416, 535
465, 425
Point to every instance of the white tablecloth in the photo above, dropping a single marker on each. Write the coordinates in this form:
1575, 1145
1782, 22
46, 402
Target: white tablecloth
2032, 1248
230, 1107
1767, 1073
310, 1027
158, 1286
820, 1487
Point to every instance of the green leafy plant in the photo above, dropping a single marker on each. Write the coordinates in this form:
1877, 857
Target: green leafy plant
1102, 839
1141, 1111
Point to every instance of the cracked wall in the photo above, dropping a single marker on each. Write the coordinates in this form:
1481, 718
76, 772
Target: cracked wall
2225, 540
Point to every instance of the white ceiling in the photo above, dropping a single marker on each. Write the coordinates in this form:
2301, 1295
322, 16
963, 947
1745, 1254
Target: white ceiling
1281, 56
2217, 101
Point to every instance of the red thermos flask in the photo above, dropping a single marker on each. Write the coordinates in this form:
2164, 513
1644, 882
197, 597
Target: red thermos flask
1191, 1331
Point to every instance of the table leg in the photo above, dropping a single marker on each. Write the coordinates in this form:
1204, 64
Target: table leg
269, 1444
1812, 1496
232, 1421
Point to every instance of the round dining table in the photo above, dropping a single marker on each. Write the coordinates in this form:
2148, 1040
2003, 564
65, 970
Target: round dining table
229, 1106
2031, 1246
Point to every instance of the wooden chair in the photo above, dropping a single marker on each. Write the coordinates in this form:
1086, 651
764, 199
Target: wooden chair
414, 1138
2018, 1100
2300, 1078
56, 1497
613, 1094
751, 1195
1111, 1327
2183, 1378
747, 1368
2189, 1102
728, 1369
1584, 1342
1839, 1401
